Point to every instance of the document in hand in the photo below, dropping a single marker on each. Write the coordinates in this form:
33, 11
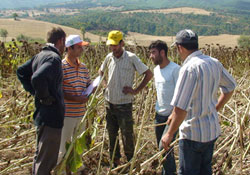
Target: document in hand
91, 87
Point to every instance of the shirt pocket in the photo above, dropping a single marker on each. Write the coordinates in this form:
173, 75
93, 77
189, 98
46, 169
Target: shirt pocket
126, 73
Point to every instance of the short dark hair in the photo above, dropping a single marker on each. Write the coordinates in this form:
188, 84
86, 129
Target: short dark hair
159, 45
190, 46
55, 34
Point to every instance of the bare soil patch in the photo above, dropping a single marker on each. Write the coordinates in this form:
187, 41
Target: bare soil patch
184, 10
39, 29
36, 29
145, 40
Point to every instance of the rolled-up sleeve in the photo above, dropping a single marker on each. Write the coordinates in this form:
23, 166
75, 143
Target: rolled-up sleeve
184, 90
227, 82
139, 65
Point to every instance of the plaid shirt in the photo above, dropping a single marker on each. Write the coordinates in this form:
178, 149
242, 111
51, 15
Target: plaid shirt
196, 92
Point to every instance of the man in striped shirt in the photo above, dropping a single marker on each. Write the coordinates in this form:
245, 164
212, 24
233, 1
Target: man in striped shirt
75, 81
195, 105
121, 66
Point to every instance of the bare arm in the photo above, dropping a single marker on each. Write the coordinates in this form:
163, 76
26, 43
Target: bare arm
223, 99
175, 120
80, 99
101, 73
148, 75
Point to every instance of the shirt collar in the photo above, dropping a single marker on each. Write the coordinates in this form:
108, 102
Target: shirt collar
72, 64
123, 56
194, 54
52, 45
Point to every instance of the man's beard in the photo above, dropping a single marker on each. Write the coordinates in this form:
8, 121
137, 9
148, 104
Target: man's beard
158, 61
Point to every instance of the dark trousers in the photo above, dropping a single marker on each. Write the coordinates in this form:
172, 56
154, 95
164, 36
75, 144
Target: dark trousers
169, 166
120, 117
195, 157
47, 149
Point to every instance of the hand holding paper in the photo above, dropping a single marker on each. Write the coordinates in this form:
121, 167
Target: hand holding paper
92, 86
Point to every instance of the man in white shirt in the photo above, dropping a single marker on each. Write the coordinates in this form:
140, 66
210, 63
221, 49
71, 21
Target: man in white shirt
195, 105
165, 78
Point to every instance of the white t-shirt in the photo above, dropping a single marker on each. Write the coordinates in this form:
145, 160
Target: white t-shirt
165, 81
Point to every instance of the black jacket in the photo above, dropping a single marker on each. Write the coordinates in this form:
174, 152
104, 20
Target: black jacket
42, 77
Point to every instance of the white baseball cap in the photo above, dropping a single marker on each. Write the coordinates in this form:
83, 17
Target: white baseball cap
75, 39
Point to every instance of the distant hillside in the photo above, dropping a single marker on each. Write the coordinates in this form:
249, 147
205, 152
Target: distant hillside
12, 4
39, 29
148, 22
149, 4
128, 4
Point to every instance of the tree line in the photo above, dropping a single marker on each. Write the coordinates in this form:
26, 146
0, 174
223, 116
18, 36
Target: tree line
153, 23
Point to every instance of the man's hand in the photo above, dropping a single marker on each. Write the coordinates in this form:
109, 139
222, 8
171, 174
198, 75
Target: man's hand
79, 99
174, 121
94, 90
129, 90
166, 140
47, 101
83, 99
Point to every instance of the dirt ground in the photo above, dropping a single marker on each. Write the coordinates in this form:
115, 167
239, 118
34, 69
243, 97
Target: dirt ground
184, 10
145, 40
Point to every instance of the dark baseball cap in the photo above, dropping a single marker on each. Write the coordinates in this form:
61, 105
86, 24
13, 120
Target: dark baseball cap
185, 36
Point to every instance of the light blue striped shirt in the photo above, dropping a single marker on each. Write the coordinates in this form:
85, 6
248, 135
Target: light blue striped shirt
196, 90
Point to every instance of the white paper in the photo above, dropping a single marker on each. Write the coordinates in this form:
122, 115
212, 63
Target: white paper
91, 87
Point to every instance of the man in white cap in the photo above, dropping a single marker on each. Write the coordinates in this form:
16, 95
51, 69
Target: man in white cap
195, 105
121, 66
75, 81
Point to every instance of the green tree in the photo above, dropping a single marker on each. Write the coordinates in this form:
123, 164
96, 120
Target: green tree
83, 31
244, 41
3, 34
22, 37
15, 15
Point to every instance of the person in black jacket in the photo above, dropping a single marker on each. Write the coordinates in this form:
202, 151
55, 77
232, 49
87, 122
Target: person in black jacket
42, 77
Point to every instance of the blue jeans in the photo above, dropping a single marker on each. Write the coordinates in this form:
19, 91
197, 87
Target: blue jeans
195, 157
169, 166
